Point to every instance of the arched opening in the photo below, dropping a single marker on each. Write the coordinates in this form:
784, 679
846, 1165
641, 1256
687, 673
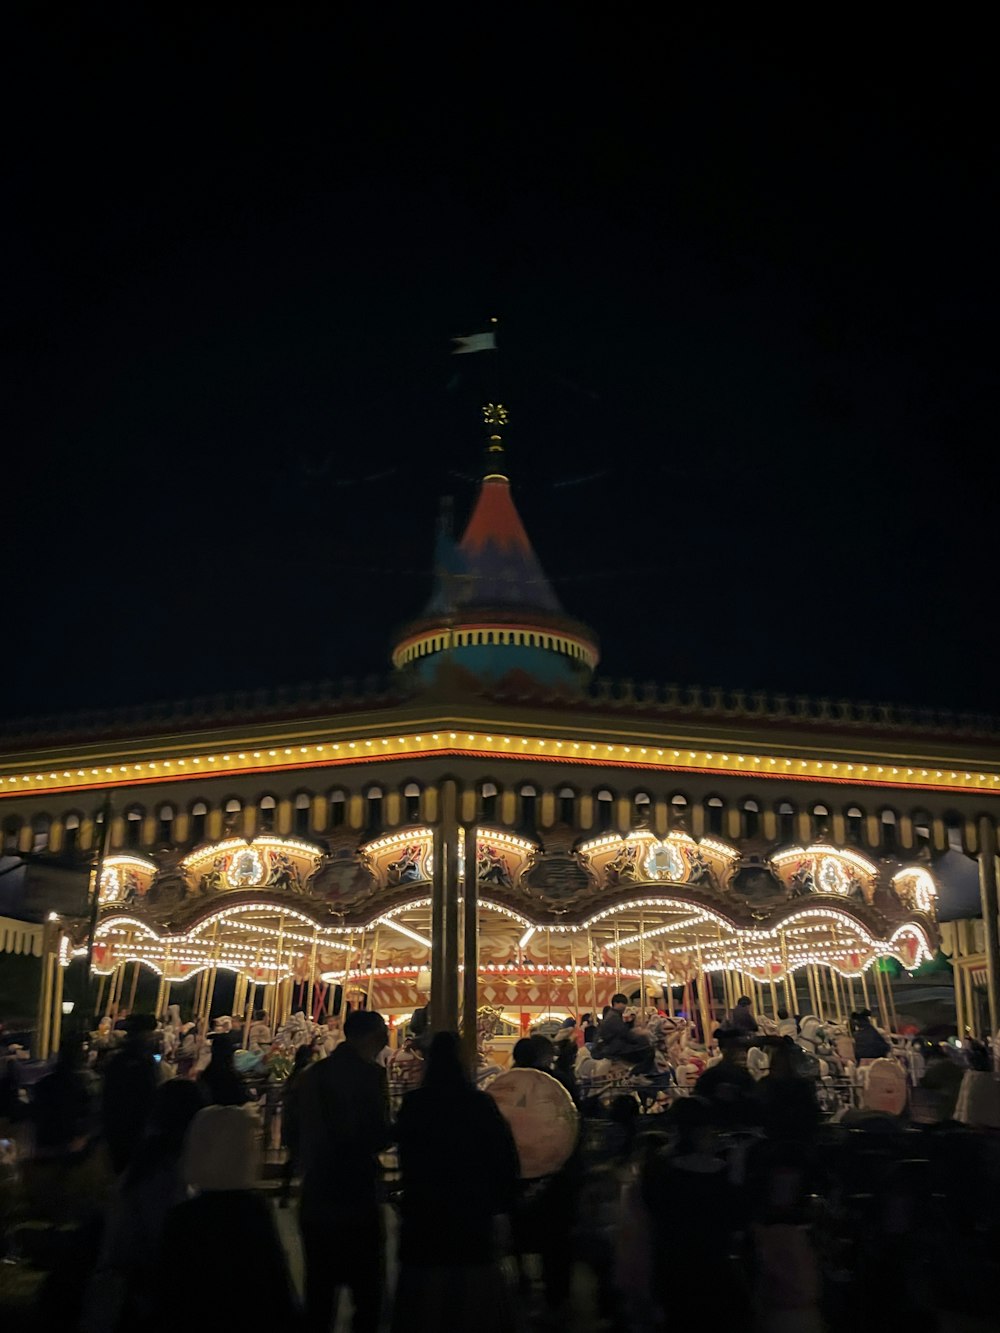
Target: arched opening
303, 808
11, 833
604, 806
411, 803
750, 818
374, 806
199, 817
819, 818
71, 833
922, 829
786, 821
488, 797
642, 810
40, 827
338, 808
133, 826
954, 831
854, 819
528, 798
566, 799
267, 814
165, 823
679, 806
887, 820
232, 821
715, 809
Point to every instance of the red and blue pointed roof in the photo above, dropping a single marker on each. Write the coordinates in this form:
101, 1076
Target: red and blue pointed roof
492, 608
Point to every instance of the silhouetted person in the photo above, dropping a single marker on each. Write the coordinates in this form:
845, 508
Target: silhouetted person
222, 1085
126, 1283
943, 1076
543, 1216
459, 1171
789, 1105
290, 1120
219, 1162
691, 1279
130, 1082
617, 1041
728, 1087
341, 1117
564, 1068
869, 1044
534, 1052
63, 1107
741, 1016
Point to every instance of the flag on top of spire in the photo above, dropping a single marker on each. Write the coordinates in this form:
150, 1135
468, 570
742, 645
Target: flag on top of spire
475, 342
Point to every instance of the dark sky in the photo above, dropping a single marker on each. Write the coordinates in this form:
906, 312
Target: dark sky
748, 326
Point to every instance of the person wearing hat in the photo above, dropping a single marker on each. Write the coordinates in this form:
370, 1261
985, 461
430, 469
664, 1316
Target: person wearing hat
869, 1044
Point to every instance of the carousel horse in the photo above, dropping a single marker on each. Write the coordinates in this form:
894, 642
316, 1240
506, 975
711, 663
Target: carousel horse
885, 1087
405, 1068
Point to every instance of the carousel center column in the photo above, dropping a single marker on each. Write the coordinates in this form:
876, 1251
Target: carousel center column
444, 912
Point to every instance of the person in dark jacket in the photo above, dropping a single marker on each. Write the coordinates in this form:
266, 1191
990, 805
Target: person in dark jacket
130, 1082
728, 1087
220, 1083
617, 1041
459, 1171
341, 1124
64, 1105
741, 1018
869, 1044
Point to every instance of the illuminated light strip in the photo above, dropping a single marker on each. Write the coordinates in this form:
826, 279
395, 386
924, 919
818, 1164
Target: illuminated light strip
640, 903
820, 849
661, 930
371, 749
403, 930
796, 923
134, 862
264, 840
522, 942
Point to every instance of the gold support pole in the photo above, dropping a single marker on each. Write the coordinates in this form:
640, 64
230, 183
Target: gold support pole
135, 985
864, 989
594, 1015
371, 970
44, 1023
278, 1016
618, 959
642, 961
813, 996
704, 1013
101, 984
57, 1003
312, 972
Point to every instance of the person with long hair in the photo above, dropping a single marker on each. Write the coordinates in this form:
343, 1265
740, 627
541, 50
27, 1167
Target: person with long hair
459, 1172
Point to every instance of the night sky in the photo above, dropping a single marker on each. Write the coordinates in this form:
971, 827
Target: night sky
747, 303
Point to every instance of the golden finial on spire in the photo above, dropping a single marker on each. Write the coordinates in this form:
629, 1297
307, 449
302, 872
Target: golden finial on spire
495, 414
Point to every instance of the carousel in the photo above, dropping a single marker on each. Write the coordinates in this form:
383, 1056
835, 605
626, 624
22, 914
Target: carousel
683, 924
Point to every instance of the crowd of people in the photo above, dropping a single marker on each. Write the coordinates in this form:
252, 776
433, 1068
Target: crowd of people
742, 1200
